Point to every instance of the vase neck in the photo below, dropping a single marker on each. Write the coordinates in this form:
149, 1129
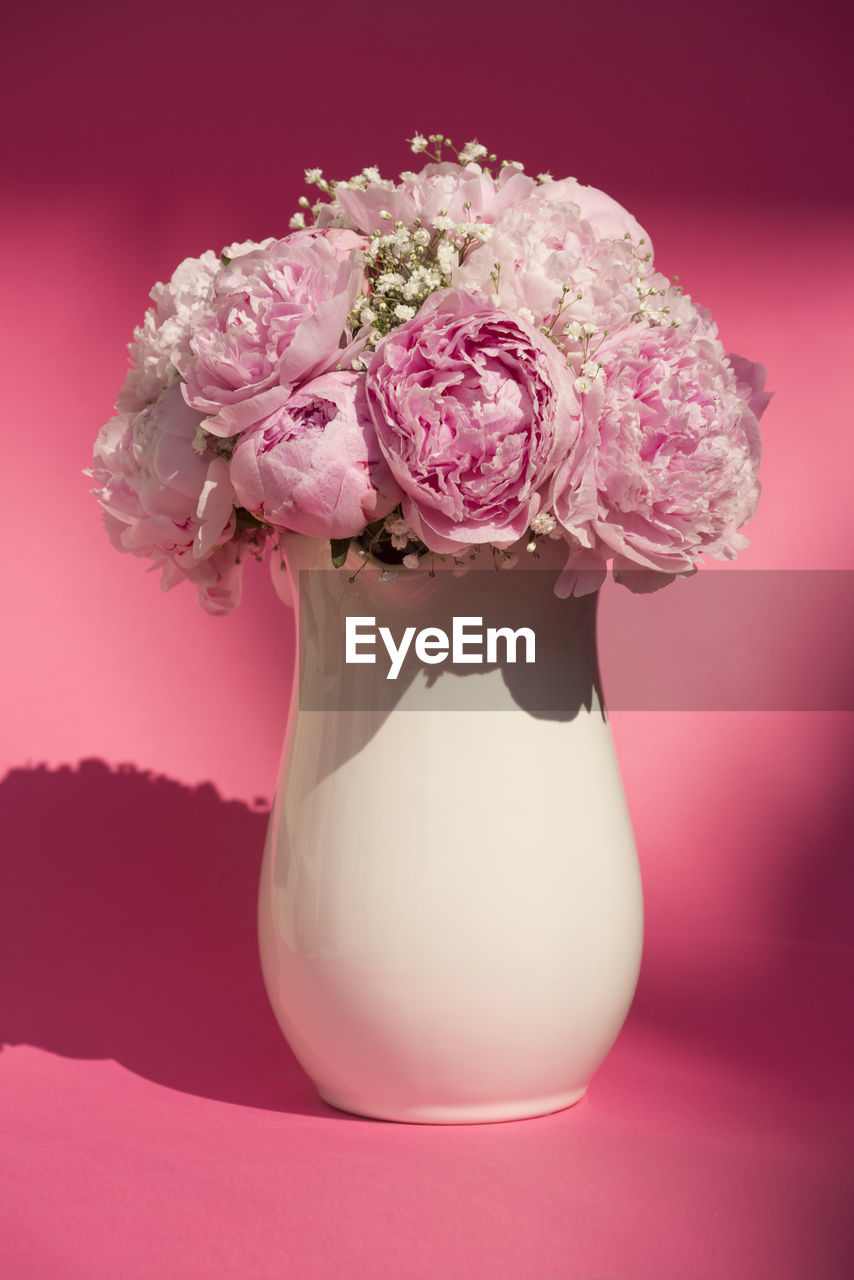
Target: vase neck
370, 639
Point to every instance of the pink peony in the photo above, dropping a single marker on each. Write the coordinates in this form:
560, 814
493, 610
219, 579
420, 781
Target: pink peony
165, 501
545, 254
165, 330
314, 465
677, 456
473, 410
607, 219
273, 318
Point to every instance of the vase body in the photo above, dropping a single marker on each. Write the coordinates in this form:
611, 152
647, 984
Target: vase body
450, 911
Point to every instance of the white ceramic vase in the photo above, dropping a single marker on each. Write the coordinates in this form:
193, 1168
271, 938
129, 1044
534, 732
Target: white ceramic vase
450, 908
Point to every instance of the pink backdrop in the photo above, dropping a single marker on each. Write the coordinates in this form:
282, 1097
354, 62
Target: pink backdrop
152, 1121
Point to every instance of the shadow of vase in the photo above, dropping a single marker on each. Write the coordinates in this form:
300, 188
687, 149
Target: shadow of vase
128, 909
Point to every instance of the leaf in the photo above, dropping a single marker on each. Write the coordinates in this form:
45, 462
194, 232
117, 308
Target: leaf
339, 548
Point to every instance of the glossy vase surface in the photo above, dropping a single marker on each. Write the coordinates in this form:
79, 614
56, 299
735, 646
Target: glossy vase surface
450, 909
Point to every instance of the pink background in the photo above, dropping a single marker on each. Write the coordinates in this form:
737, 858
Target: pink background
152, 1121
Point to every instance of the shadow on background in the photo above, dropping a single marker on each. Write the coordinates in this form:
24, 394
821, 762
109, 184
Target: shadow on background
128, 931
730, 640
774, 999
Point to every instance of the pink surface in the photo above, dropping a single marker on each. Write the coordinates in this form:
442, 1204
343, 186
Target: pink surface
152, 1121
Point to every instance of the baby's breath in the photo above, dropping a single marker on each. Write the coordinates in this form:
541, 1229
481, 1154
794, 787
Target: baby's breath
405, 264
543, 524
472, 151
204, 442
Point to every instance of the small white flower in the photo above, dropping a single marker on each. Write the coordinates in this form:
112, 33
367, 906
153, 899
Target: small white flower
544, 523
544, 177
418, 143
399, 530
573, 330
582, 385
527, 314
443, 223
472, 151
297, 222
446, 257
372, 173
590, 369
403, 312
411, 561
313, 175
589, 330
431, 278
367, 316
389, 280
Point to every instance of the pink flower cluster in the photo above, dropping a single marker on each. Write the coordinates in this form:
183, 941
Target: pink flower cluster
466, 357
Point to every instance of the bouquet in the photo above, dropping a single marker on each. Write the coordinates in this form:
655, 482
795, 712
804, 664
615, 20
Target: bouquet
460, 363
